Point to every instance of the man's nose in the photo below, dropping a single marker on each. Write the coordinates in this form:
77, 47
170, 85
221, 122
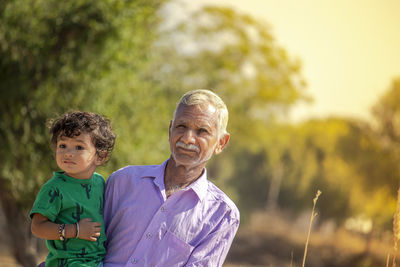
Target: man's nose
188, 137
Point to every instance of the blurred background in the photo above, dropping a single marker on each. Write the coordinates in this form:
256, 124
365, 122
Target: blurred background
313, 90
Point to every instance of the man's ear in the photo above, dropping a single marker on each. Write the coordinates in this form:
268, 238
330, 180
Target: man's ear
169, 129
222, 142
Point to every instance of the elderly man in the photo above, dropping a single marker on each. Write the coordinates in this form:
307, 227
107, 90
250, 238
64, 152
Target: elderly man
171, 214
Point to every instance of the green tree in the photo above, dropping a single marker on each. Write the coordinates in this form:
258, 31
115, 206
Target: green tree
373, 151
312, 164
387, 116
348, 160
235, 55
55, 56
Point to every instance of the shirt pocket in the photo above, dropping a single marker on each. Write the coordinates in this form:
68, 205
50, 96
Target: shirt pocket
171, 251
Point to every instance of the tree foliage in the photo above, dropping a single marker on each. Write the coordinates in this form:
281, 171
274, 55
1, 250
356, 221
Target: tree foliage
237, 56
56, 56
387, 113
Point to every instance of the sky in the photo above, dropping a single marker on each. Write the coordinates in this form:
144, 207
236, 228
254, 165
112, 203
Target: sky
350, 50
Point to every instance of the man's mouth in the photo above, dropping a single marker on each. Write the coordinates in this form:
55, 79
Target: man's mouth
189, 147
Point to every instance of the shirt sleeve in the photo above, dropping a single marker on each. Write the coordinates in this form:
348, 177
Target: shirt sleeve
110, 200
108, 195
213, 250
48, 202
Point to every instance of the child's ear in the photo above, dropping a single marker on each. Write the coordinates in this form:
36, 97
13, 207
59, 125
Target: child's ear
101, 157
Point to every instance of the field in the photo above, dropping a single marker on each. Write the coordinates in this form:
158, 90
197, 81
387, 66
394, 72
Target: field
275, 240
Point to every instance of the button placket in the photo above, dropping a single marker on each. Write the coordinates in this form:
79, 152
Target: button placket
152, 231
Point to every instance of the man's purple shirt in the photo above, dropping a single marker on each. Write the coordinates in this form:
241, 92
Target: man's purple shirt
193, 227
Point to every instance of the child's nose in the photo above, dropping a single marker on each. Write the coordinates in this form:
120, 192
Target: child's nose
68, 153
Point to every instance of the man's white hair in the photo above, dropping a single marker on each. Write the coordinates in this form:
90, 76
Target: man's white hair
201, 96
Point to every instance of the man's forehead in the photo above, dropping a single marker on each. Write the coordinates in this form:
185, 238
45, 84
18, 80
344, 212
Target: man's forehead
199, 122
203, 113
204, 107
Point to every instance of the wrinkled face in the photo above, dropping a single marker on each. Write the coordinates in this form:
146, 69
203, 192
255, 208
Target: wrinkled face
193, 134
77, 156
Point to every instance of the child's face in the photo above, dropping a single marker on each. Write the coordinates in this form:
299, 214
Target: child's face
77, 156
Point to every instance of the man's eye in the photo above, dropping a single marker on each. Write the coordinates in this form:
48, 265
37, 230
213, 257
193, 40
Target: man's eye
202, 130
180, 126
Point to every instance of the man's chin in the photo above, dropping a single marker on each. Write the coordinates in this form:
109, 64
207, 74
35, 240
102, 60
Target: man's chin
184, 160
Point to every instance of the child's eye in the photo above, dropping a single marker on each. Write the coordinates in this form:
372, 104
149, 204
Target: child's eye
62, 146
79, 148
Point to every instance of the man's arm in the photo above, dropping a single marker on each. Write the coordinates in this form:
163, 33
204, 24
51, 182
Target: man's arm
213, 249
109, 201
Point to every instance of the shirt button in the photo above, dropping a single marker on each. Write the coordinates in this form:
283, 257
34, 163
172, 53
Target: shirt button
149, 235
134, 261
162, 209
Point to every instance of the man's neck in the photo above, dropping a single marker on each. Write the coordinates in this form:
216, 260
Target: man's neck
177, 177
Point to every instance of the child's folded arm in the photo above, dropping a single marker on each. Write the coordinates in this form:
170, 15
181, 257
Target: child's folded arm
42, 227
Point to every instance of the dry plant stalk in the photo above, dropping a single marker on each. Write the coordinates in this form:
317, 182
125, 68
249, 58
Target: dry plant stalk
387, 260
291, 258
313, 215
396, 228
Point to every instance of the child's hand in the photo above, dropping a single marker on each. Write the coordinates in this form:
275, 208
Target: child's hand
89, 230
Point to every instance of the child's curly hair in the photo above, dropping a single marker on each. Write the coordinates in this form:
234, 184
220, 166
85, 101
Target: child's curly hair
74, 123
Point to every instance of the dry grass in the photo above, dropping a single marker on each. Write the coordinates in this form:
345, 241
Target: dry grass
313, 215
396, 228
279, 235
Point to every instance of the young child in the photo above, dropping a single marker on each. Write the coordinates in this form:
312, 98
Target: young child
68, 211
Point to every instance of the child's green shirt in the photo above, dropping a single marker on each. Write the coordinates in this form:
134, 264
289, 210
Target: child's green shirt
64, 199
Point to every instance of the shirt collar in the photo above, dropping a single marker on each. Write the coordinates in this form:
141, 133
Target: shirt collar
199, 186
156, 172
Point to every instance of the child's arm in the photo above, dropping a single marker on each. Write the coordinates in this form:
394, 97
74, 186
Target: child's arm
42, 227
